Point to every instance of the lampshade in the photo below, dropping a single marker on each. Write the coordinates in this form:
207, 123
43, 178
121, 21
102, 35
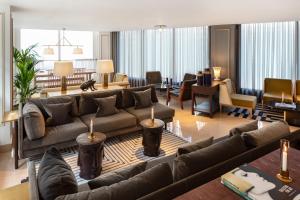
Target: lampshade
48, 51
105, 66
217, 72
63, 68
77, 50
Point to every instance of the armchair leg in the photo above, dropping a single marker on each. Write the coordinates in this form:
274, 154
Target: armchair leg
220, 108
250, 112
181, 105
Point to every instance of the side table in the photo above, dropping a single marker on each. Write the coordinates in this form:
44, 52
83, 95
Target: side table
90, 154
152, 133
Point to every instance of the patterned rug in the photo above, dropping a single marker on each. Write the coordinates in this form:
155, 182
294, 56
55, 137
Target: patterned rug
268, 115
122, 151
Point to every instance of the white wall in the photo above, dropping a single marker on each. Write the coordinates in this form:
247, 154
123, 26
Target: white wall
5, 60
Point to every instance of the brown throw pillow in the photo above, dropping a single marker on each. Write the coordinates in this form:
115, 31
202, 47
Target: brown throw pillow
251, 126
142, 98
106, 106
188, 148
116, 177
58, 113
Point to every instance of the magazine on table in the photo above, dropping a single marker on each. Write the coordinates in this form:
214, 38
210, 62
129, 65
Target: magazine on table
253, 184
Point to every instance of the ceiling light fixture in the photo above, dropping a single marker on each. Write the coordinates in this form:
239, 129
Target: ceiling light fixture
160, 27
63, 42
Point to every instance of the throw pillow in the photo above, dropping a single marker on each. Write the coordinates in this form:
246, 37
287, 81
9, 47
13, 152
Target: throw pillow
136, 187
106, 106
268, 133
118, 176
58, 113
251, 126
34, 121
188, 148
196, 161
142, 99
55, 176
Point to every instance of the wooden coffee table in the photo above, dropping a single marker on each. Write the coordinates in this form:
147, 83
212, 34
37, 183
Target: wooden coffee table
269, 164
90, 154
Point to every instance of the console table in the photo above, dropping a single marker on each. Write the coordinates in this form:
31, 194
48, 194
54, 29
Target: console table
269, 164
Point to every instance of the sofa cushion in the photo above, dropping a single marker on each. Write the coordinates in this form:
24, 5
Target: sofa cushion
160, 112
87, 104
142, 99
128, 99
244, 100
251, 126
117, 176
138, 186
55, 176
288, 98
191, 163
268, 133
56, 100
106, 106
58, 113
57, 134
188, 148
112, 122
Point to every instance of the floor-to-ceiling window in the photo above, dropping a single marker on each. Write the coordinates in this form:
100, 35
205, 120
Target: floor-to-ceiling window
173, 52
267, 50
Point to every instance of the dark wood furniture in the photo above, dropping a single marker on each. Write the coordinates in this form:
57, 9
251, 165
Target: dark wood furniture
269, 164
12, 117
90, 154
210, 91
152, 133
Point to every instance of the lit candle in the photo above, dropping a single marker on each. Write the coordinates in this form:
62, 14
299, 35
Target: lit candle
91, 126
152, 113
284, 159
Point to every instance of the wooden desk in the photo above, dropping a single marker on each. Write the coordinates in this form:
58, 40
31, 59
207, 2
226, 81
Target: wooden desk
209, 91
12, 117
269, 164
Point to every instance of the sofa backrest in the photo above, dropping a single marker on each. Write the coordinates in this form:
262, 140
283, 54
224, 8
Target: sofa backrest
128, 99
272, 85
298, 87
87, 103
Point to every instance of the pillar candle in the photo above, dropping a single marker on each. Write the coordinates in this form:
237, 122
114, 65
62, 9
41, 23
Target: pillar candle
152, 113
284, 160
91, 126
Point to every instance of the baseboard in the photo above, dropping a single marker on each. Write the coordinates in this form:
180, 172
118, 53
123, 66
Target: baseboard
5, 148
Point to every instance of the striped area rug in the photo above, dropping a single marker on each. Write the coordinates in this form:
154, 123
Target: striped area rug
122, 151
268, 115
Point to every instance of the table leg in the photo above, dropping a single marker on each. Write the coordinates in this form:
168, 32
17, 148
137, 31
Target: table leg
193, 103
15, 144
210, 106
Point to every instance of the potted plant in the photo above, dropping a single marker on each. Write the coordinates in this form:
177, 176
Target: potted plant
25, 61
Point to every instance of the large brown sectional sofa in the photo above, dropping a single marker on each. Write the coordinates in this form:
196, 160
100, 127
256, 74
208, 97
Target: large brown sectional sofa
83, 109
189, 170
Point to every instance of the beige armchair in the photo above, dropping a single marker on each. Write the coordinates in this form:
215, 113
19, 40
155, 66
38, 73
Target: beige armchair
229, 98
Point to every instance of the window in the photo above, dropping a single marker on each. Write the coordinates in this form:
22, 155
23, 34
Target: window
267, 50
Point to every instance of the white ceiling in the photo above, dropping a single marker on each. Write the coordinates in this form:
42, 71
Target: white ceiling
112, 15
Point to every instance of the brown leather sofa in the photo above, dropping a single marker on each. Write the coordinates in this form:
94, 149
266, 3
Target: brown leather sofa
273, 89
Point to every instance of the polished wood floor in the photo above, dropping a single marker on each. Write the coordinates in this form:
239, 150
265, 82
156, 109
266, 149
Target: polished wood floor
191, 127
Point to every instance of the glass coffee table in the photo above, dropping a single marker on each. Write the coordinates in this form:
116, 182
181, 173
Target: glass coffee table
290, 114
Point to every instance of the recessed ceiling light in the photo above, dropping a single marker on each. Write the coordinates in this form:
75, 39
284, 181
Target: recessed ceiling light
160, 27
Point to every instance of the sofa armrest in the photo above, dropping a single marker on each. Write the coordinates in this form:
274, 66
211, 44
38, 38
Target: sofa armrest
33, 186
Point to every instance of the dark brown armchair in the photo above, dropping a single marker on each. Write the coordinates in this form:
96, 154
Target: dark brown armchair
184, 92
154, 78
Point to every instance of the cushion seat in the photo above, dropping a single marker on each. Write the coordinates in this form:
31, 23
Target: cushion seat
298, 98
243, 100
160, 112
288, 98
111, 122
57, 134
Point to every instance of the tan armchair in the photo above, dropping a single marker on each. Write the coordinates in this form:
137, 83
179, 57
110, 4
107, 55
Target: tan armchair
297, 95
228, 97
273, 89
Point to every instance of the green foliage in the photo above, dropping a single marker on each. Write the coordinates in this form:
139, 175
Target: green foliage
25, 61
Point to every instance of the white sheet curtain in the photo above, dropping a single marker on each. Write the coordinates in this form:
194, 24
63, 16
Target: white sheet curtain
191, 50
171, 51
268, 50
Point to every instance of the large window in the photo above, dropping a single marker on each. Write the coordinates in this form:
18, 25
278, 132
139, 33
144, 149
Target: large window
267, 50
173, 52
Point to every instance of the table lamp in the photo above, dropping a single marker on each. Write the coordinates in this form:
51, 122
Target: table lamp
105, 67
217, 73
63, 69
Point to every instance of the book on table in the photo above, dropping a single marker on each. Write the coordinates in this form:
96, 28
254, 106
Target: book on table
253, 184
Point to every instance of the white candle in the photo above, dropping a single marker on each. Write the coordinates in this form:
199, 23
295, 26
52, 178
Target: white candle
152, 113
284, 160
91, 126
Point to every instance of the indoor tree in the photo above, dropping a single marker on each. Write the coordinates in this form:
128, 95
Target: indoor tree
25, 60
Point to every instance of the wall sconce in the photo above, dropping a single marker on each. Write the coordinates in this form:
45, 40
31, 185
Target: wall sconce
217, 73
